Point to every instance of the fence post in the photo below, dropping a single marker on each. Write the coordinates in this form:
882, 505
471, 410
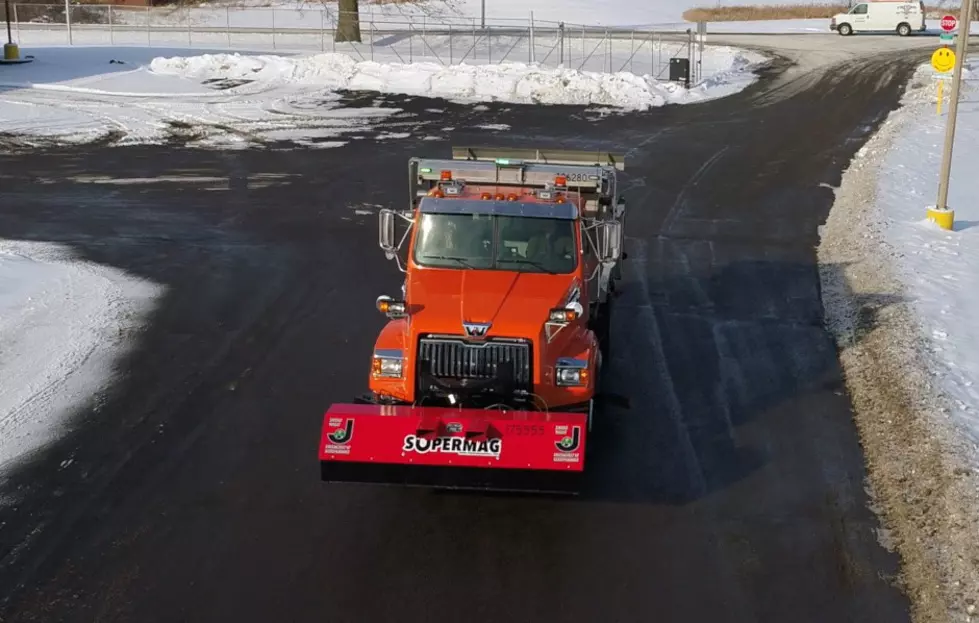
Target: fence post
475, 41
607, 56
560, 34
190, 29
112, 39
17, 22
68, 20
149, 37
632, 48
530, 52
273, 27
450, 45
227, 23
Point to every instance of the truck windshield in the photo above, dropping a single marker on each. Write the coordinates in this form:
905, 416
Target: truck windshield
489, 242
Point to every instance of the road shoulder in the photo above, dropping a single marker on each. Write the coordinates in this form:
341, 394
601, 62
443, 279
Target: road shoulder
924, 492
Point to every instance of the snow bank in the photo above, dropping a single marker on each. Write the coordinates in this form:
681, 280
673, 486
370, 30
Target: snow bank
940, 268
62, 324
135, 94
509, 82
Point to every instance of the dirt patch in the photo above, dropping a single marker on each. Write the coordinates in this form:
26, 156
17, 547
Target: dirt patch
783, 11
926, 496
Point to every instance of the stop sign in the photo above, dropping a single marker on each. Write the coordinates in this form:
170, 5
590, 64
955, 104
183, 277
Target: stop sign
949, 23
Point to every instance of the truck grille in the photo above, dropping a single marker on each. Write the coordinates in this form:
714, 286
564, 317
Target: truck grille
456, 358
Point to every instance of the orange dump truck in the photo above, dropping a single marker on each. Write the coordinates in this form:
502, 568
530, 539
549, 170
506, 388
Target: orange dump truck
487, 371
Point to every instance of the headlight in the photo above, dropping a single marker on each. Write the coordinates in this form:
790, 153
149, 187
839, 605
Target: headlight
571, 372
387, 366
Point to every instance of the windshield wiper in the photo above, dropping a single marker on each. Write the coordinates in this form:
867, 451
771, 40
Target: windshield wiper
531, 263
462, 260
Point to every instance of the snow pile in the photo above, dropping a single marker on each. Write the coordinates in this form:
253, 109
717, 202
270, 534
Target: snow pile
509, 82
61, 326
940, 268
128, 95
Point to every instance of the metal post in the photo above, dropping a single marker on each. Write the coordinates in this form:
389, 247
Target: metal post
112, 39
273, 27
68, 20
17, 21
482, 14
962, 49
451, 62
632, 47
6, 10
149, 40
227, 23
560, 31
530, 52
608, 55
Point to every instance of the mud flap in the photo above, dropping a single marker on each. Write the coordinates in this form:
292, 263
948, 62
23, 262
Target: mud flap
454, 448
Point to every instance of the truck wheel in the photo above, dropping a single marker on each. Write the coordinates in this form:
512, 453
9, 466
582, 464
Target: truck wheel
603, 329
904, 30
845, 30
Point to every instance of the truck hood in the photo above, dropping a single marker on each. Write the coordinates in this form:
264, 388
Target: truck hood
517, 304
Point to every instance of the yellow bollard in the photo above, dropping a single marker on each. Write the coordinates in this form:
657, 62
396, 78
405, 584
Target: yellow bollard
944, 218
10, 52
941, 95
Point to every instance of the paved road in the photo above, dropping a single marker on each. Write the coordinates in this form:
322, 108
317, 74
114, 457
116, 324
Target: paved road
731, 490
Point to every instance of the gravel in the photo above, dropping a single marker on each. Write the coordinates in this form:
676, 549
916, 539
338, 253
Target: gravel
927, 497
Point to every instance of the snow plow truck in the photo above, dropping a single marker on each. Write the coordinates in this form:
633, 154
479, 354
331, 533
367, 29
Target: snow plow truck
487, 371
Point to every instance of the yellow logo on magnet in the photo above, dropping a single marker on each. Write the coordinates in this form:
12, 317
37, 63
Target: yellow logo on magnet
943, 60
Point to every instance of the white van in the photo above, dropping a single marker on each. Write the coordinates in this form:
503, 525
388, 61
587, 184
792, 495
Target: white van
901, 17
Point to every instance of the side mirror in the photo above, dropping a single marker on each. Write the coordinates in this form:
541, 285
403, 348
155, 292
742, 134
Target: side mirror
609, 241
385, 233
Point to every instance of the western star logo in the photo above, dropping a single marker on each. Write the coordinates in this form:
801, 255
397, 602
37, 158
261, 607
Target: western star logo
453, 445
476, 329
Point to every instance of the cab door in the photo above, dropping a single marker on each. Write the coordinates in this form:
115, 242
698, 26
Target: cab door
859, 18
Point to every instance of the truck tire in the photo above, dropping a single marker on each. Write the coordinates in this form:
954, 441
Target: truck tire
904, 29
603, 329
845, 30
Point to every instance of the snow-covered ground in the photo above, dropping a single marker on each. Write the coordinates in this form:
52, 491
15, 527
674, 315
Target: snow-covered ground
63, 325
939, 268
151, 94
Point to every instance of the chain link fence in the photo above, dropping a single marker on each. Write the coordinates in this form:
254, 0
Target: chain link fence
442, 40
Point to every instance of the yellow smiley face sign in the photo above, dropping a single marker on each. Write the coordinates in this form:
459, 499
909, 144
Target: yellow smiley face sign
943, 60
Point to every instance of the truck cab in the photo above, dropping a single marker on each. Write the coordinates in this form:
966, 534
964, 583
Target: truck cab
510, 265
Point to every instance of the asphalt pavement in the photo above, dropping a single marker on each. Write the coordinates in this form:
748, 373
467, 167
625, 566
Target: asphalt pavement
729, 489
